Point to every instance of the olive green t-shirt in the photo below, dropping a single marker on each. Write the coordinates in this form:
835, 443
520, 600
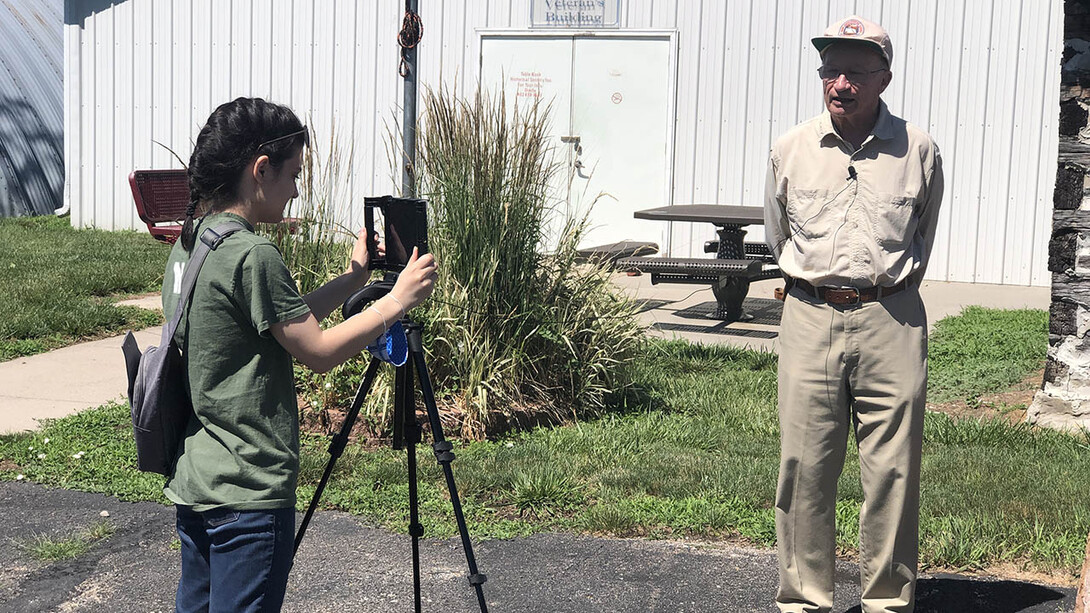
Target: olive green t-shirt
242, 450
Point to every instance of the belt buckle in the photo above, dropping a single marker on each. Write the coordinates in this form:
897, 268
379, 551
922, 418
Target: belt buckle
847, 296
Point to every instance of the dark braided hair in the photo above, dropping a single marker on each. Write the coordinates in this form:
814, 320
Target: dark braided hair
236, 132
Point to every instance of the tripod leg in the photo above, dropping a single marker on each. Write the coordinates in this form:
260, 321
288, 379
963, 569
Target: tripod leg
444, 456
336, 446
407, 434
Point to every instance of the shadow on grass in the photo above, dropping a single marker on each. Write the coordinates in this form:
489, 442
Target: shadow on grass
948, 594
634, 398
664, 360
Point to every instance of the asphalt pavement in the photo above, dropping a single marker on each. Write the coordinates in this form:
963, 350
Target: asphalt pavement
346, 565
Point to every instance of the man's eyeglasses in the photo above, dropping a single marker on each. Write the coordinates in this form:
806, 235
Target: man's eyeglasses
830, 73
306, 138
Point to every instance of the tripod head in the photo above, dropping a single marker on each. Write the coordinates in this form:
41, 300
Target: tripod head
392, 345
368, 294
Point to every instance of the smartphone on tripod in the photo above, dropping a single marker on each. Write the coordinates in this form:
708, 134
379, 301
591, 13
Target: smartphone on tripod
404, 223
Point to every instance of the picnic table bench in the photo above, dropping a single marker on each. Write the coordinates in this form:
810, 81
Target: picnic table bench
611, 253
735, 265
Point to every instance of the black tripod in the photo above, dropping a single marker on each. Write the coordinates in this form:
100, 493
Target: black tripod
407, 434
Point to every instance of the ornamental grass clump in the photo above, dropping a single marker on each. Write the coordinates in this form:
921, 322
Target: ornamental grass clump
520, 331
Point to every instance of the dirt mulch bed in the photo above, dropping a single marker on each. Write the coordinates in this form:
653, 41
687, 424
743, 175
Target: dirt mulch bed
1009, 405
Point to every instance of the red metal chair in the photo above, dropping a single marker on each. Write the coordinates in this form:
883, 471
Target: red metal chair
161, 198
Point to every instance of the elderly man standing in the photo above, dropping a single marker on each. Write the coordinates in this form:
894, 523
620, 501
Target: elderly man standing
851, 204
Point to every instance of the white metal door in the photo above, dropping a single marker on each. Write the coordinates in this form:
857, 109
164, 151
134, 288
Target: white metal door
620, 110
610, 98
531, 70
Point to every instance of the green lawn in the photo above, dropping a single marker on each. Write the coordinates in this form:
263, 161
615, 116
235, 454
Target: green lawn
984, 350
59, 284
692, 452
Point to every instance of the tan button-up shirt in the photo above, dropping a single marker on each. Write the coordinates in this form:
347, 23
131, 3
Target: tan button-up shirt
839, 217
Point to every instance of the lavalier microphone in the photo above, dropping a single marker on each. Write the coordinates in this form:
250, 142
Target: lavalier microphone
851, 173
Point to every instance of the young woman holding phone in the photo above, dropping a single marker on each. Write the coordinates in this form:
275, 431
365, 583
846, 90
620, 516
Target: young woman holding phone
235, 475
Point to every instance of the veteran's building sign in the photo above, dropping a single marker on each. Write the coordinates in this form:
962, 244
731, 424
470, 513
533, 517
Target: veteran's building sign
575, 13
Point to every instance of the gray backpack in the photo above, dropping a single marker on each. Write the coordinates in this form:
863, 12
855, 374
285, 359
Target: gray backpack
161, 408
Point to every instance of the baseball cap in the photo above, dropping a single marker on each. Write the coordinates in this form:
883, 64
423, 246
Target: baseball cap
858, 29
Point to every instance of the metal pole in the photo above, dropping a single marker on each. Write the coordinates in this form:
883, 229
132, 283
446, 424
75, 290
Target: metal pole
408, 136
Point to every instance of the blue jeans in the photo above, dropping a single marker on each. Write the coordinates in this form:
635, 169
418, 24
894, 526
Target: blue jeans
234, 560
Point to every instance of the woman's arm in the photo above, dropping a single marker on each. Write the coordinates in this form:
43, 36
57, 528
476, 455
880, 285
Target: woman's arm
321, 350
328, 297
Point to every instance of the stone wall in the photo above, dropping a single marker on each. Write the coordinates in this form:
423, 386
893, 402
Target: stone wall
1064, 400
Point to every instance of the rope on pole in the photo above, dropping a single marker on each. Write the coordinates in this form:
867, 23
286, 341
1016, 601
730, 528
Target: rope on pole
412, 30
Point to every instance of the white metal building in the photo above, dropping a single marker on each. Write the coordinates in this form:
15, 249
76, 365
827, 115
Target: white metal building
673, 101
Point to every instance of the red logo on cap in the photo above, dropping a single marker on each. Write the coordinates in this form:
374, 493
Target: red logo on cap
852, 27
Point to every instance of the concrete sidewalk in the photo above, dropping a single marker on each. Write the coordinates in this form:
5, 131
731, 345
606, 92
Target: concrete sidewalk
61, 382
67, 380
681, 311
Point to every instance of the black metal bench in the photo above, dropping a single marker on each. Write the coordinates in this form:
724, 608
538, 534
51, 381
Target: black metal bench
729, 278
756, 251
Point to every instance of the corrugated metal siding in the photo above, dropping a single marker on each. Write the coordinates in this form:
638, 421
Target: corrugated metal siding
31, 107
143, 70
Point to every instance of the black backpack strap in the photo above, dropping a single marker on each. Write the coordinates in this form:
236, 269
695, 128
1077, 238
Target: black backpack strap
211, 238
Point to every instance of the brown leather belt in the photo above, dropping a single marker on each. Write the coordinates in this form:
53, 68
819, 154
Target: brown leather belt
838, 296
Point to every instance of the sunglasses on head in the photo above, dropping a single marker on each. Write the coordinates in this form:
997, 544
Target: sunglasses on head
306, 138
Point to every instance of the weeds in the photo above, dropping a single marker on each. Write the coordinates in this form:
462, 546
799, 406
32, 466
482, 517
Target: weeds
541, 491
52, 548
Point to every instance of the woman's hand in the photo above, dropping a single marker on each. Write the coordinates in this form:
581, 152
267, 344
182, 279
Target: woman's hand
417, 281
360, 265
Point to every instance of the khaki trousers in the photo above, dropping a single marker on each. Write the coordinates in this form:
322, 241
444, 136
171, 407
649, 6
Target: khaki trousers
863, 366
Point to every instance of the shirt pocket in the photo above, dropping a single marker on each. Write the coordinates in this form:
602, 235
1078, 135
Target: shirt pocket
893, 216
810, 213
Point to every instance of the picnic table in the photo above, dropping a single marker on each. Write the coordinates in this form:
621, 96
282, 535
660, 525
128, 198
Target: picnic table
735, 265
